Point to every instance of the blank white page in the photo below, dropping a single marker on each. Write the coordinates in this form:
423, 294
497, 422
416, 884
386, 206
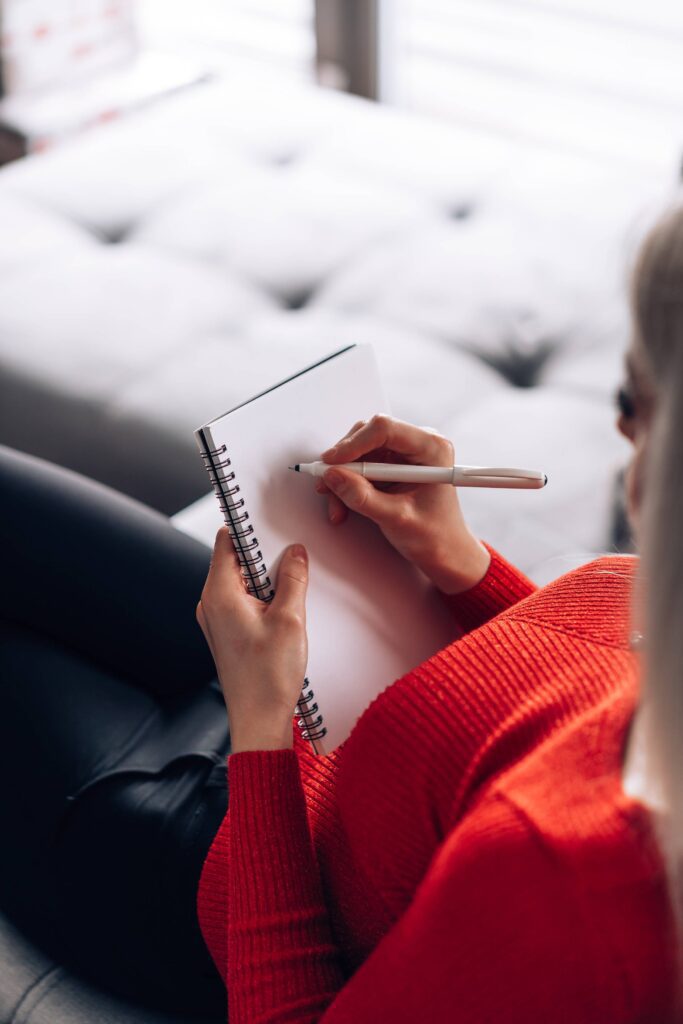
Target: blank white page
370, 615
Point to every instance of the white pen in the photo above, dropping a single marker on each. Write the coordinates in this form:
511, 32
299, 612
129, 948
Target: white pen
459, 476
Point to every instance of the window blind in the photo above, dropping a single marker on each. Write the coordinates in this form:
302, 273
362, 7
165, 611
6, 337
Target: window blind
223, 33
602, 75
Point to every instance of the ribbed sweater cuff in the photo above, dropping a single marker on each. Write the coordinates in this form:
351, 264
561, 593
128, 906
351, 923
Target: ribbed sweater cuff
502, 586
269, 826
281, 949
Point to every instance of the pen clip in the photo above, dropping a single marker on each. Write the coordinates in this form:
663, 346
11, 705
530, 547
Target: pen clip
500, 472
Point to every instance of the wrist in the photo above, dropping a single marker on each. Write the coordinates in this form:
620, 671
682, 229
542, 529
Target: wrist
261, 736
254, 726
460, 567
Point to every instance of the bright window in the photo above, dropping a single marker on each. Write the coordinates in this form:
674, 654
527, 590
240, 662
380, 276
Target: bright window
600, 75
224, 33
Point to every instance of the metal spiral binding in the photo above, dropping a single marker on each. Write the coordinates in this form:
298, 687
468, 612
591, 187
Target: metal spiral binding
311, 728
255, 570
246, 543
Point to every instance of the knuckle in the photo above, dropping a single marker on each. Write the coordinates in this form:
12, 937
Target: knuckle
212, 601
361, 497
442, 446
446, 445
352, 431
380, 421
363, 500
404, 516
288, 618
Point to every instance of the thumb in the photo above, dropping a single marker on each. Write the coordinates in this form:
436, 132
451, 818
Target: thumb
359, 495
292, 581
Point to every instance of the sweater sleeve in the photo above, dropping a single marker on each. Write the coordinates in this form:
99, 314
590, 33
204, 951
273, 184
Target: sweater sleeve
493, 932
283, 964
502, 586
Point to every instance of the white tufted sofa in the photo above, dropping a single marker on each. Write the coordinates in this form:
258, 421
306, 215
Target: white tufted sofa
157, 271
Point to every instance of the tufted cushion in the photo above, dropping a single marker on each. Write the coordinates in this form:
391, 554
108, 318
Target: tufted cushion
167, 265
571, 437
31, 235
287, 229
485, 284
105, 317
276, 343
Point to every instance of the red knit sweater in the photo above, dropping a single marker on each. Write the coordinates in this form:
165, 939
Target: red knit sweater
468, 854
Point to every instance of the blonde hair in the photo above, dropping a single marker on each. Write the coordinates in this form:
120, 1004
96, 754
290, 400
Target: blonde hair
657, 306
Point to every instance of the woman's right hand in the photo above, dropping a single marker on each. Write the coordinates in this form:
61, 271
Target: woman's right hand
424, 522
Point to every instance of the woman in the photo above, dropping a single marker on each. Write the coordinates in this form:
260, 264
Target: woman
470, 853
112, 738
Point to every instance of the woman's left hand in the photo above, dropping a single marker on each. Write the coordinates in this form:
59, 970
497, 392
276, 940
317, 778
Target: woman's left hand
260, 649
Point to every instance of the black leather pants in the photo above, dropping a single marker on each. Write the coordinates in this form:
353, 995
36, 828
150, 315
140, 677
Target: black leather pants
113, 736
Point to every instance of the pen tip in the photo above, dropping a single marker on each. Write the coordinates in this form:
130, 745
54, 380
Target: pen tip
545, 479
295, 468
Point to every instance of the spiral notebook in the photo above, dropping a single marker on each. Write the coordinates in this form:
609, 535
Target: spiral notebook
370, 615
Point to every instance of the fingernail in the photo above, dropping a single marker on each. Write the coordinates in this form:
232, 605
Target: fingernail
334, 479
330, 453
298, 551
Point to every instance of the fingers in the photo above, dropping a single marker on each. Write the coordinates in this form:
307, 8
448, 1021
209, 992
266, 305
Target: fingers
417, 444
330, 454
359, 495
336, 509
292, 584
357, 425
